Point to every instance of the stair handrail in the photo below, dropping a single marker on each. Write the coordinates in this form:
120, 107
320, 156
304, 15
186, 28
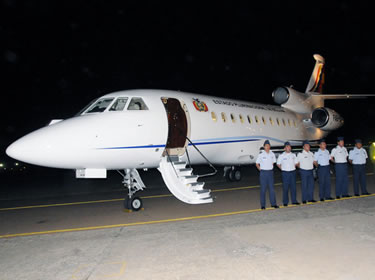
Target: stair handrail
169, 158
209, 163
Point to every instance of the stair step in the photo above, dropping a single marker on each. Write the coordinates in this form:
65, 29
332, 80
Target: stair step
189, 179
202, 191
185, 171
197, 186
179, 164
206, 200
173, 159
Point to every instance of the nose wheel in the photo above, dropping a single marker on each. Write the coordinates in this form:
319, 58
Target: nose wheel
134, 203
133, 182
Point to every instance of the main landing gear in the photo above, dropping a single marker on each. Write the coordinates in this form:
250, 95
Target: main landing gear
134, 183
232, 173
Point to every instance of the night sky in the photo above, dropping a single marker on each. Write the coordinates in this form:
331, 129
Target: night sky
56, 56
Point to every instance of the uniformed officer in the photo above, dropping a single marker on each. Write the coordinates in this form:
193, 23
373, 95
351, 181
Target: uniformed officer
306, 164
321, 160
358, 157
264, 163
287, 163
339, 157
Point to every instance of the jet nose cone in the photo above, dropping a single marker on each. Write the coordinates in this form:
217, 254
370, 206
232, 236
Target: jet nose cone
21, 150
13, 151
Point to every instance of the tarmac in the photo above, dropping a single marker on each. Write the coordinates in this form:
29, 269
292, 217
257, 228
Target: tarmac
55, 227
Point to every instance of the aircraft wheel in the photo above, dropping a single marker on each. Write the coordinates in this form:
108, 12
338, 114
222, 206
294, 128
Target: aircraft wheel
236, 175
228, 176
136, 204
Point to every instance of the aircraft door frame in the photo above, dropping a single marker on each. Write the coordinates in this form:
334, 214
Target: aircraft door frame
174, 138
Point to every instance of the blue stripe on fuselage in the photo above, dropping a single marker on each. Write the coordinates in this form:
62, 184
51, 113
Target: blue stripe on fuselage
210, 141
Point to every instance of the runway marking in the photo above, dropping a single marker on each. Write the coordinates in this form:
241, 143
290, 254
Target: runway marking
143, 197
170, 220
118, 199
93, 269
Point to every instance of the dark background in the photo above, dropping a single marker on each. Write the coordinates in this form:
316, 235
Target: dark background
56, 56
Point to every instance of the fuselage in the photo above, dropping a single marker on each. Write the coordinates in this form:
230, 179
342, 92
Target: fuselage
226, 131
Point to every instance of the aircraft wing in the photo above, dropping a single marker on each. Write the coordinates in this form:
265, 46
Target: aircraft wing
341, 96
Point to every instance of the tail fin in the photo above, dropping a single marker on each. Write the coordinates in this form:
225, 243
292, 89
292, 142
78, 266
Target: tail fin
317, 77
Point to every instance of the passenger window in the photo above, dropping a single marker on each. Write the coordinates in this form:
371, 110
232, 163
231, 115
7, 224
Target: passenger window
278, 121
256, 119
233, 118
264, 120
241, 118
213, 116
284, 122
271, 121
119, 104
289, 122
294, 123
137, 103
100, 105
224, 117
249, 119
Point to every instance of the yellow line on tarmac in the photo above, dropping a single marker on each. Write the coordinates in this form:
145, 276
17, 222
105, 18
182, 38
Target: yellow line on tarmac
131, 224
117, 199
166, 220
121, 199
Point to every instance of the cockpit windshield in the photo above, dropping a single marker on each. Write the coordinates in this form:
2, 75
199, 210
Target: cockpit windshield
137, 103
119, 104
99, 106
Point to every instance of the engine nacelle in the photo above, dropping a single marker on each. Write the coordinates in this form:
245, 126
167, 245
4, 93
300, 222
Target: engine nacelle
293, 100
326, 119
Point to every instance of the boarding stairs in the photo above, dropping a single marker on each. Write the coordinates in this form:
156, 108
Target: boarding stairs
181, 181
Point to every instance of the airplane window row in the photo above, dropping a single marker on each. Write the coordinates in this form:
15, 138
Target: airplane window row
101, 105
257, 120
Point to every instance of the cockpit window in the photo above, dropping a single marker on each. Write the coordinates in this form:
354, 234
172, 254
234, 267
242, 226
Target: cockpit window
137, 103
119, 104
100, 105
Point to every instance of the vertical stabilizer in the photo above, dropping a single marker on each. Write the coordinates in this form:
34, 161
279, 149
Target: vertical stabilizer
317, 77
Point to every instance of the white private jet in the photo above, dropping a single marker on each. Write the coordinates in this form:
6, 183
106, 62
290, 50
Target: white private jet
141, 129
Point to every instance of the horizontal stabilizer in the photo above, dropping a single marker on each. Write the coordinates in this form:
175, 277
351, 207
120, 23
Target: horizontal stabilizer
340, 96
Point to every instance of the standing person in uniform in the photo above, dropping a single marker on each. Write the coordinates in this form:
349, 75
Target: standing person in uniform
339, 157
321, 160
306, 164
264, 163
287, 163
358, 157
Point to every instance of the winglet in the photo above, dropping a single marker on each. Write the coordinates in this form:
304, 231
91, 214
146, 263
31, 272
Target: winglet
317, 77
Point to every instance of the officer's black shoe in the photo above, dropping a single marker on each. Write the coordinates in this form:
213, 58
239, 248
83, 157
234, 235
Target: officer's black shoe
285, 205
356, 194
366, 193
304, 202
263, 208
346, 195
338, 197
275, 206
322, 199
312, 201
296, 203
330, 198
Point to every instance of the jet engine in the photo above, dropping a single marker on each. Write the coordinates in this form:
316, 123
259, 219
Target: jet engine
292, 99
326, 119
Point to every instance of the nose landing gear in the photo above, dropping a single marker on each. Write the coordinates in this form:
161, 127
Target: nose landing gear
134, 183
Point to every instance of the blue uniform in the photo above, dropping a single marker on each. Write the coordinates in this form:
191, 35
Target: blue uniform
358, 158
306, 161
341, 168
287, 163
266, 161
322, 158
